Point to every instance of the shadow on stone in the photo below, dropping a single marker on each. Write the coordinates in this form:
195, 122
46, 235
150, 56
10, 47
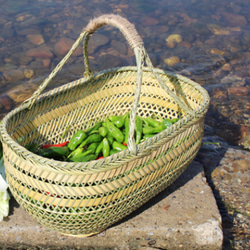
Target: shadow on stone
210, 155
185, 177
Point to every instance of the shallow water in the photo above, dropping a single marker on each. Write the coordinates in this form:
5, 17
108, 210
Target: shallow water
205, 40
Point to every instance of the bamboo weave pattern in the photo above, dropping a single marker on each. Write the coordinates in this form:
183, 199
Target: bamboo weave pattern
86, 198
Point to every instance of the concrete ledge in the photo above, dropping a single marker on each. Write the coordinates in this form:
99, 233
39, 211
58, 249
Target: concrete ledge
185, 215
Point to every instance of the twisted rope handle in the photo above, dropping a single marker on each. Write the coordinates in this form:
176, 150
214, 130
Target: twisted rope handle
127, 28
141, 55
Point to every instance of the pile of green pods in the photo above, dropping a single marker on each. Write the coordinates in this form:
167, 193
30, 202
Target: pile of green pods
103, 139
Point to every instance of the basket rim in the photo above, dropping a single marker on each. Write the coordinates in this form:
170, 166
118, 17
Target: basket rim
74, 83
125, 156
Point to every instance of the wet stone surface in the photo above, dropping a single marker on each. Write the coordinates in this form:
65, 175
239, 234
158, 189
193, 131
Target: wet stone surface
184, 215
227, 169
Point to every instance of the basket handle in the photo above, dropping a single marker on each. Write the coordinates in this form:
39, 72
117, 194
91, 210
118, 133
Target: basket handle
141, 55
127, 28
136, 44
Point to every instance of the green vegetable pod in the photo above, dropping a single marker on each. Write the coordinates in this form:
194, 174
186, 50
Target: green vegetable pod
110, 138
84, 158
76, 152
118, 146
114, 131
55, 152
118, 120
93, 147
95, 127
76, 139
114, 151
126, 128
91, 138
99, 148
105, 148
103, 131
151, 122
151, 130
166, 123
138, 129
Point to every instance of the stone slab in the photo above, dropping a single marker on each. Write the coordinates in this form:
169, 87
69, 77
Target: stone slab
184, 215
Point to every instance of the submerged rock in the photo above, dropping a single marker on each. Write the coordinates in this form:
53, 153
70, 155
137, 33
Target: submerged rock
63, 46
121, 47
28, 73
110, 61
239, 91
173, 39
22, 92
6, 102
96, 41
171, 61
233, 19
14, 75
46, 62
146, 20
41, 52
218, 30
36, 39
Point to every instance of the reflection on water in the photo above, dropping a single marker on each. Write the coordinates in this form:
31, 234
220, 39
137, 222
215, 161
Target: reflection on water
206, 40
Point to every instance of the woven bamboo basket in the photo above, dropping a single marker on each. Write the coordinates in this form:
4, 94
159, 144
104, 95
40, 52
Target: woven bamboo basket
86, 198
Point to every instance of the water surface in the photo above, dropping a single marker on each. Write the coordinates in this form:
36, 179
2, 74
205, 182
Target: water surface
205, 40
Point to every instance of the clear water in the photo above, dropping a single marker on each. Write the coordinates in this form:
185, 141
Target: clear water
214, 48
